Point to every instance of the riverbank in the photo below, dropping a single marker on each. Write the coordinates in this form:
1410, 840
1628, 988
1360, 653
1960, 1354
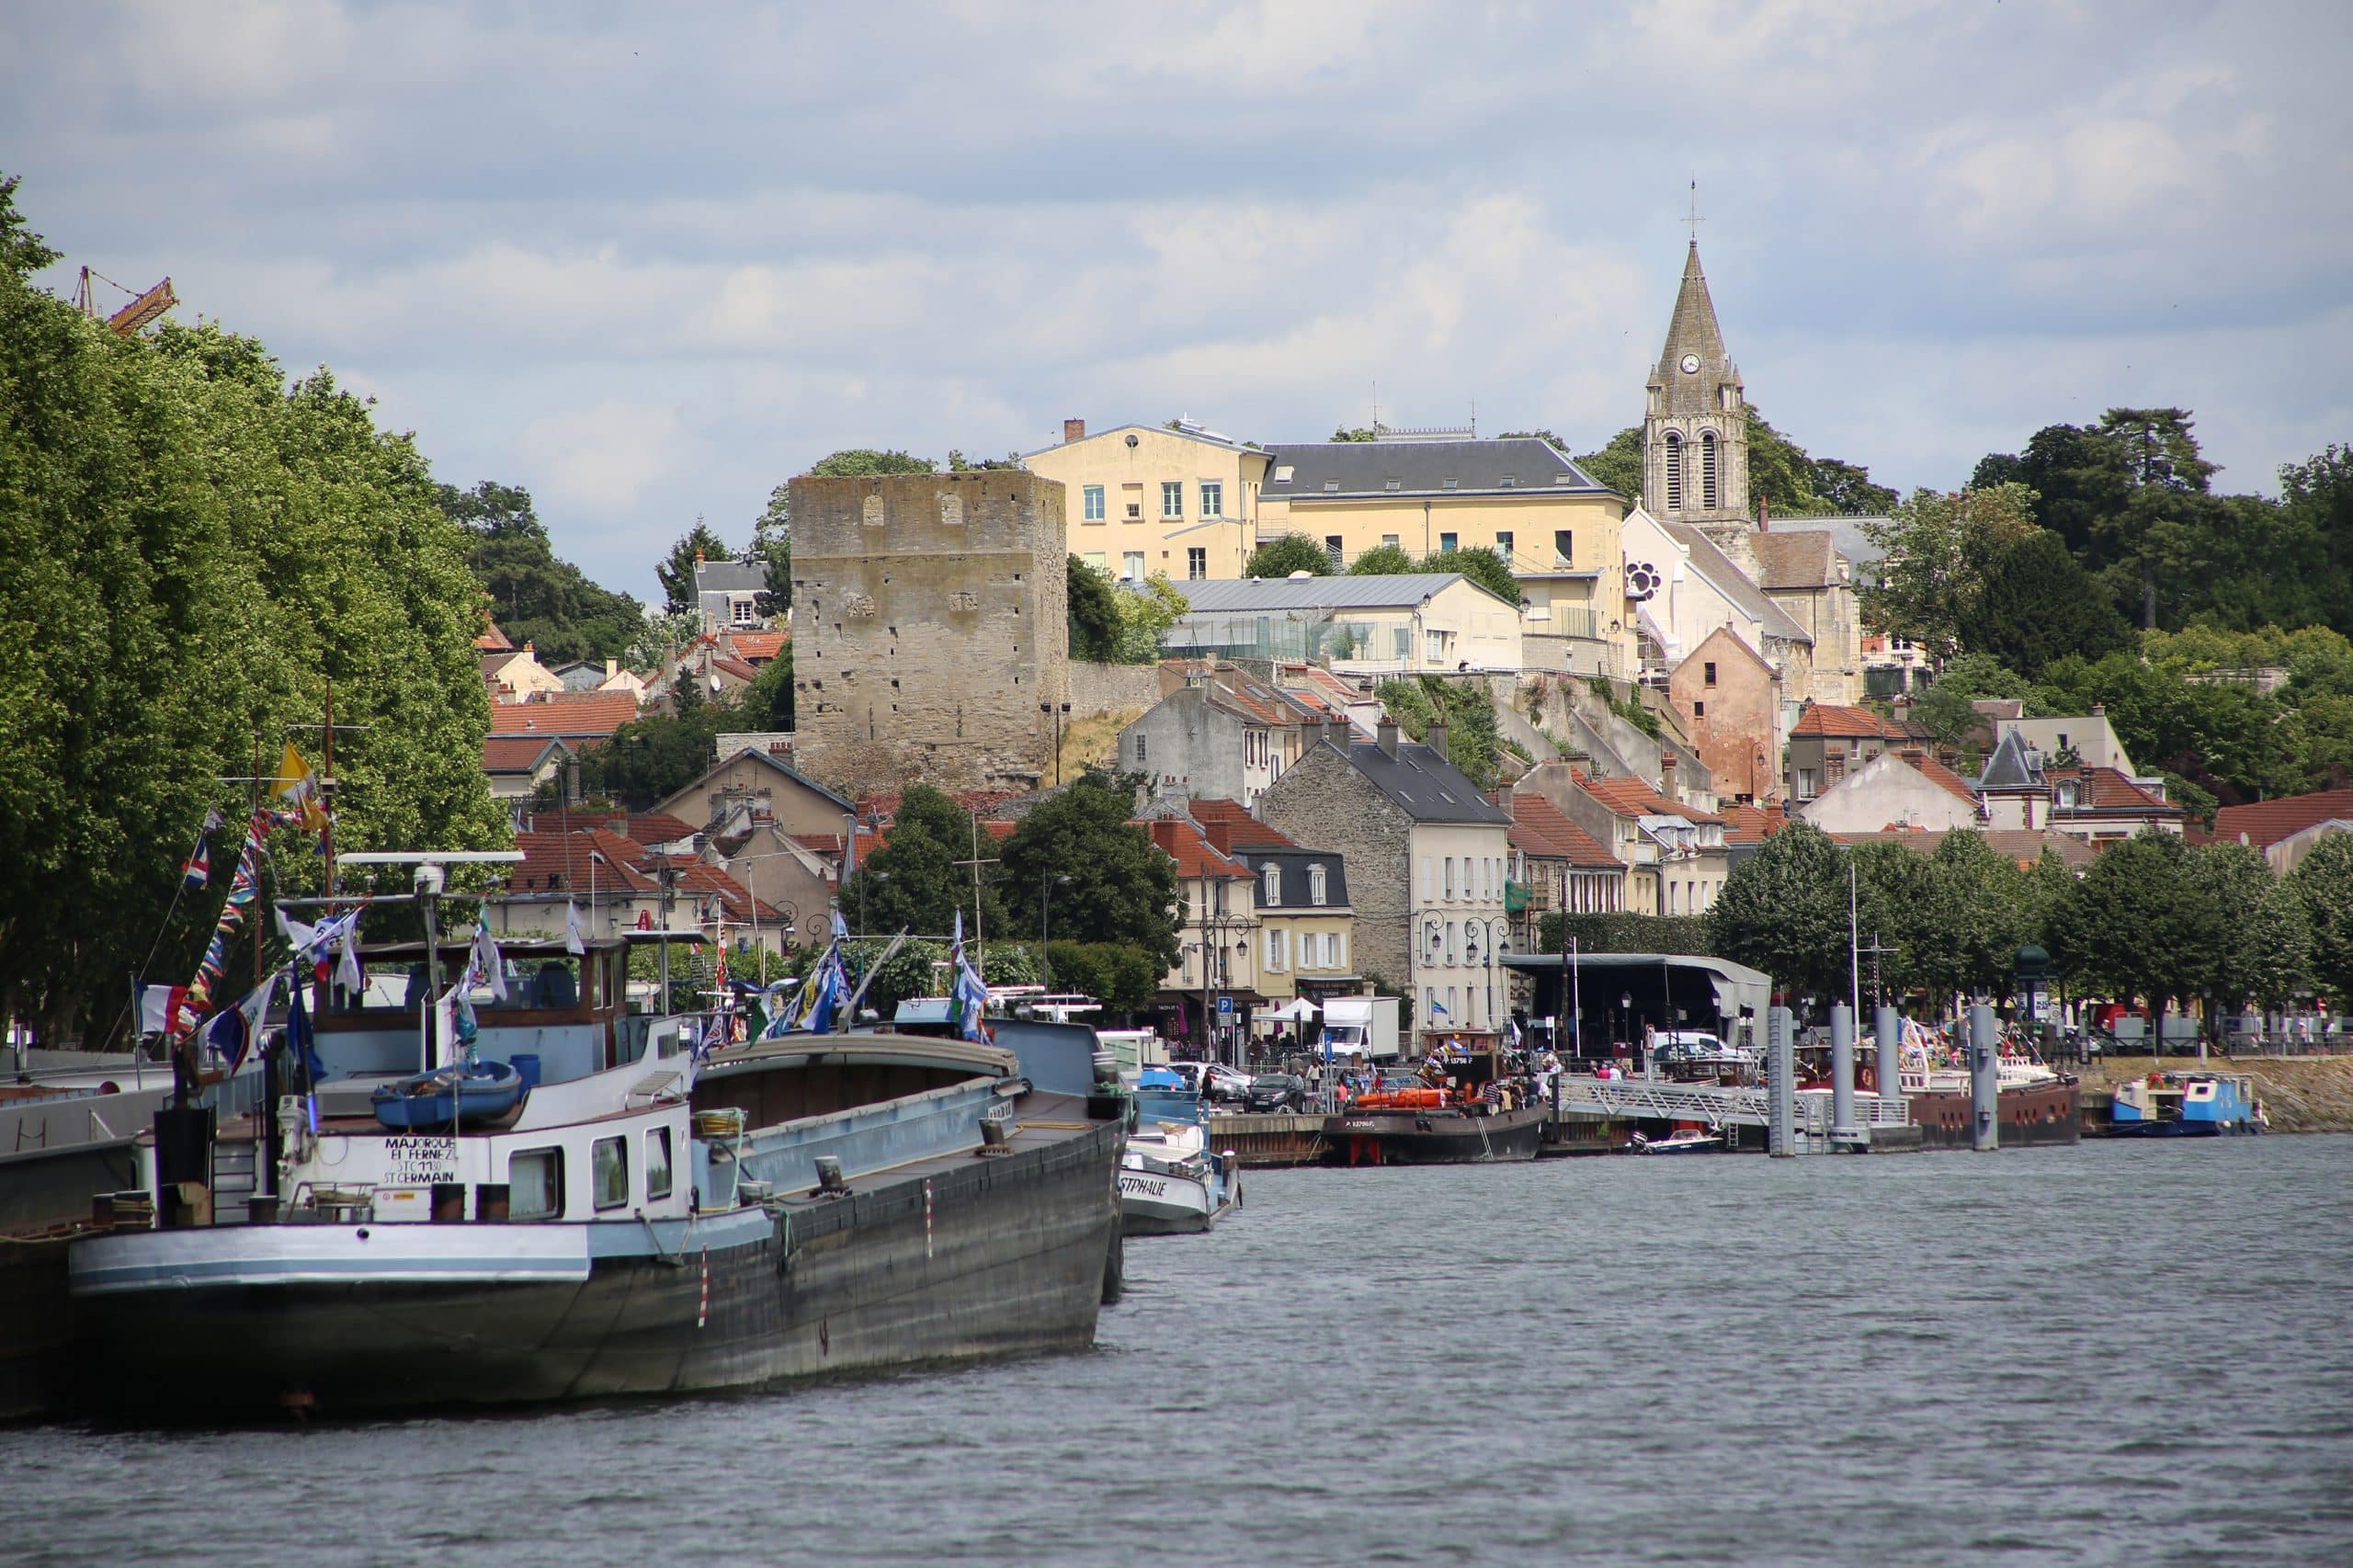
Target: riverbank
2302, 1094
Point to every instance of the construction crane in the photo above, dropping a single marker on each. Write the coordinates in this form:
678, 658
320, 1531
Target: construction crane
142, 309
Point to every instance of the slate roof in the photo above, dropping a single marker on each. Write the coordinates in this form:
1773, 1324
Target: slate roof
1538, 829
731, 576
1182, 432
1261, 596
1736, 584
1691, 329
1345, 469
1292, 895
762, 754
2006, 768
1229, 686
1798, 560
2265, 823
1425, 786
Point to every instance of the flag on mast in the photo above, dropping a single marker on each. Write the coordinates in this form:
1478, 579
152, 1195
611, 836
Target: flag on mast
572, 941
298, 784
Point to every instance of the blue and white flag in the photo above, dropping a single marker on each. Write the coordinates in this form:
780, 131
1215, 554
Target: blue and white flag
968, 994
233, 1030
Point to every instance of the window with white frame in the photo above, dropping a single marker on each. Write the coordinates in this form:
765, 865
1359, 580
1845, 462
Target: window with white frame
1274, 951
1197, 564
745, 610
1212, 498
1315, 884
1336, 947
1132, 565
1271, 884
1172, 497
1093, 512
1450, 876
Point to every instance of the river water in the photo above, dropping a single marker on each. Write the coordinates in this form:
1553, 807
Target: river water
2120, 1352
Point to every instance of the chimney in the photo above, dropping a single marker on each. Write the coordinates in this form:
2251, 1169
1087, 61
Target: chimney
1073, 430
1764, 513
2099, 710
529, 652
1667, 776
697, 555
612, 668
1435, 737
1388, 735
1913, 754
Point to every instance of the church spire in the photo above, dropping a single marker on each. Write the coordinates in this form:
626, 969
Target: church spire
1692, 334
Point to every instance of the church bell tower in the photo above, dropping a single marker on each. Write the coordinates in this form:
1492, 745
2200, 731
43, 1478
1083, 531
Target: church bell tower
1695, 431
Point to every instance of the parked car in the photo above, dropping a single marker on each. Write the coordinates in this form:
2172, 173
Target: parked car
1226, 1086
1276, 1093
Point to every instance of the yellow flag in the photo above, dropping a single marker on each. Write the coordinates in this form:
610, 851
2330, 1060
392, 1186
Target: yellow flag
299, 786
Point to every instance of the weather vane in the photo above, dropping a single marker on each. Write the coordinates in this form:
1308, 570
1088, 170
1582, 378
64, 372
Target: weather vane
1695, 220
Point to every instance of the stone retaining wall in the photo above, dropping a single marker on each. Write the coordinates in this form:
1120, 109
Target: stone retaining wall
2301, 1093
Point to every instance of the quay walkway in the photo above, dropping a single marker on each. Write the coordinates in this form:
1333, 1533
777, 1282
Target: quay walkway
1713, 1106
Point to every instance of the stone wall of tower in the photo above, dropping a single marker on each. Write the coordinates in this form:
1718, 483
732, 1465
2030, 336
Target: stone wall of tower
928, 625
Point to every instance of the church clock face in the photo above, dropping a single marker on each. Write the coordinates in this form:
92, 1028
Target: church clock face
1690, 364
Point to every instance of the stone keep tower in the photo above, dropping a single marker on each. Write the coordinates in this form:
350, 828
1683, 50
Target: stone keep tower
929, 627
1694, 432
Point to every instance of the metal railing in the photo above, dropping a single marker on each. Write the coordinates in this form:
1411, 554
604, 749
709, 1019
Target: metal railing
1713, 1105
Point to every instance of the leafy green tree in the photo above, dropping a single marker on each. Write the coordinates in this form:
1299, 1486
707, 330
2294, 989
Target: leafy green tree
1147, 609
1483, 566
1907, 904
865, 462
2316, 497
1991, 897
2253, 941
22, 252
1945, 708
1779, 472
772, 545
1121, 978
1847, 487
1783, 911
1473, 743
1539, 435
2036, 605
657, 755
1382, 561
1093, 613
190, 549
677, 570
766, 703
1932, 585
1362, 433
2077, 478
2163, 471
1619, 464
914, 883
659, 636
915, 970
535, 597
2322, 885
2130, 929
1123, 888
1286, 553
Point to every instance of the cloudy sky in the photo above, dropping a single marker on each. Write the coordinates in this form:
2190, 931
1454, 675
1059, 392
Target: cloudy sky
649, 260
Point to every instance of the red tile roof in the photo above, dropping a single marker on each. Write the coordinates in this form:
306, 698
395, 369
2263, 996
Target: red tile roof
758, 647
2265, 823
492, 637
565, 714
1183, 843
2108, 790
516, 754
1937, 772
1753, 825
736, 667
1828, 718
1230, 827
656, 827
1633, 798
1539, 828
597, 859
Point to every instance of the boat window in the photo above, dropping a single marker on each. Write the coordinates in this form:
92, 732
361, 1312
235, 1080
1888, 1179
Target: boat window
608, 1164
535, 1185
657, 1162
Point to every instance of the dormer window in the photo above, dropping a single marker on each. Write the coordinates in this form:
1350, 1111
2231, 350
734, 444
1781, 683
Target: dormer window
1271, 881
1315, 884
2067, 794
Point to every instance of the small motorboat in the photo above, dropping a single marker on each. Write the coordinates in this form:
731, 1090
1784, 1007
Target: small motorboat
466, 1095
1686, 1141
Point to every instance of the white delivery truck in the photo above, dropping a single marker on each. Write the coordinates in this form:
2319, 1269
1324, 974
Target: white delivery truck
1361, 1024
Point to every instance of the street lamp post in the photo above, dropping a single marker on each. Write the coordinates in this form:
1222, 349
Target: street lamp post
1045, 926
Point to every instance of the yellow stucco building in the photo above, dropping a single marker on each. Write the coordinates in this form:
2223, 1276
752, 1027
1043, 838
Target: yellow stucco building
1144, 498
1522, 497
